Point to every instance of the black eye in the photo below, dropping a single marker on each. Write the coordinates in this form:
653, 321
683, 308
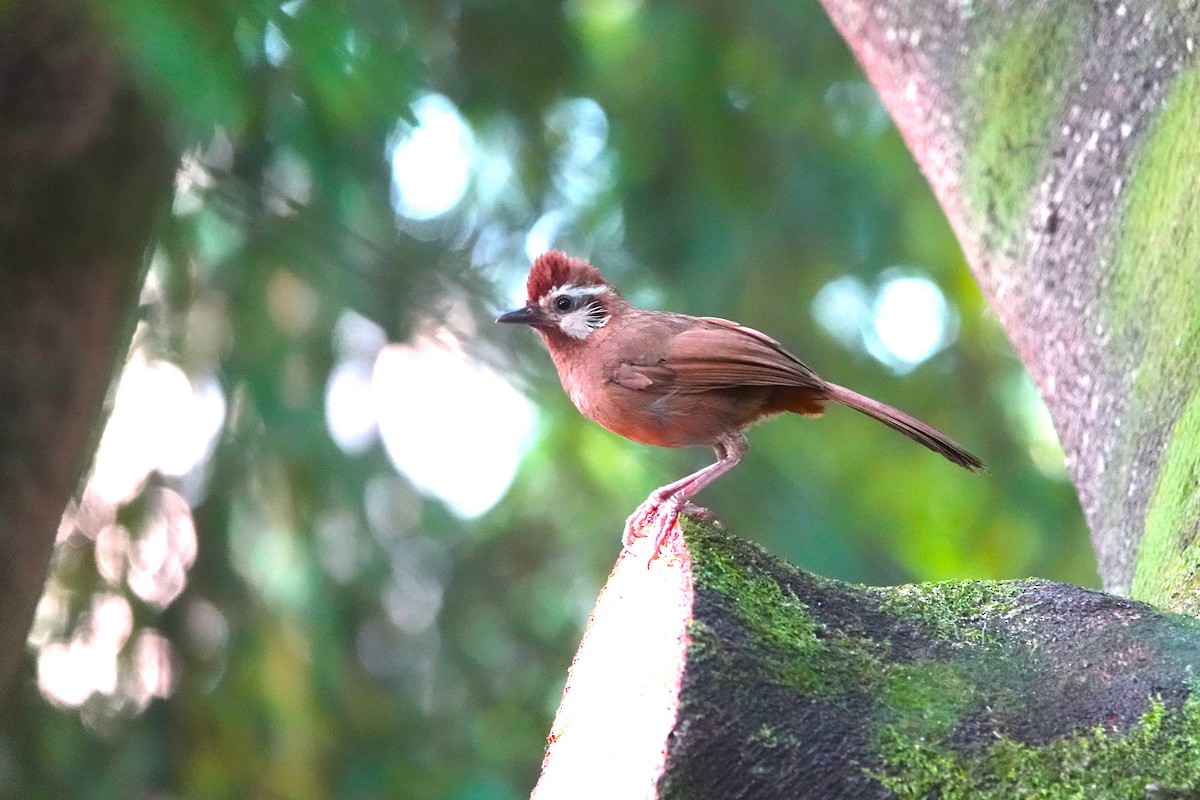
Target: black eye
564, 303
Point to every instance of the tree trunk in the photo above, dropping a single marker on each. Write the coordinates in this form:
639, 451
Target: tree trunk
84, 173
1061, 139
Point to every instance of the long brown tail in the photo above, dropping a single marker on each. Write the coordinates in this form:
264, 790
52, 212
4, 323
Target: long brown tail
912, 428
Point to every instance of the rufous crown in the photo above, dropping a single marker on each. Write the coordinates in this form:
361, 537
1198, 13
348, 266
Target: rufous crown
555, 269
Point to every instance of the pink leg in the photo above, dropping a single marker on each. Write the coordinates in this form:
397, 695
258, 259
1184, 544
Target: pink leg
664, 504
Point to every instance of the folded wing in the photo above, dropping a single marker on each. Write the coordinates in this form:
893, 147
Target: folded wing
718, 355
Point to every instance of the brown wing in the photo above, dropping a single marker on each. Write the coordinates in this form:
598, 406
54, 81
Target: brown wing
706, 354
717, 354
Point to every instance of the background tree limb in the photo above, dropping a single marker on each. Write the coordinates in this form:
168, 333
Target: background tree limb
85, 172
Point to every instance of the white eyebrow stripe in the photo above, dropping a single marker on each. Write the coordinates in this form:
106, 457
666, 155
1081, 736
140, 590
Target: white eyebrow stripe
584, 291
576, 291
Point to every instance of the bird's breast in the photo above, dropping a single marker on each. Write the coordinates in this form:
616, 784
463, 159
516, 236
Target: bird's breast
662, 418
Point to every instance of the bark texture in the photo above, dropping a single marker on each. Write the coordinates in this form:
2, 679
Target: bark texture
794, 685
1061, 140
84, 172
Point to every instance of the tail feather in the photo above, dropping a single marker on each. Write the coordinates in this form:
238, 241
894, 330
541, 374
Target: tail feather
912, 428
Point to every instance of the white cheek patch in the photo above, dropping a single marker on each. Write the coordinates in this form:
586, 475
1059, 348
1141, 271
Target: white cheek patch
581, 322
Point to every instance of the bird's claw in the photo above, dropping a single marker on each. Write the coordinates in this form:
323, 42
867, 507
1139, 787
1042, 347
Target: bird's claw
663, 512
664, 528
641, 517
638, 520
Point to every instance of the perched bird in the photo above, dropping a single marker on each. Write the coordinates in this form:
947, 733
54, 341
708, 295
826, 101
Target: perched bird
675, 381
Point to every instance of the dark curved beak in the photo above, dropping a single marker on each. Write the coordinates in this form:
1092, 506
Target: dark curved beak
529, 315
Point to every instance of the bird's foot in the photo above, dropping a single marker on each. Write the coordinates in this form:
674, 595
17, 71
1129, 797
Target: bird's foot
637, 521
655, 517
668, 517
647, 512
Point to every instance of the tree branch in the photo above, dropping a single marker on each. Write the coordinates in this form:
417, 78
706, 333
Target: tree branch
722, 672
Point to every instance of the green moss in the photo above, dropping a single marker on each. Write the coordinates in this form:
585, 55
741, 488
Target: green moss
1166, 570
1155, 302
912, 708
799, 652
927, 698
1162, 750
775, 616
954, 612
766, 736
1014, 91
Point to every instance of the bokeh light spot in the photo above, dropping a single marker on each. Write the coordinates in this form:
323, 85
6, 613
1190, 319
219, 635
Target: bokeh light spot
164, 551
71, 672
842, 307
911, 322
349, 413
581, 169
456, 428
162, 421
431, 162
855, 110
154, 675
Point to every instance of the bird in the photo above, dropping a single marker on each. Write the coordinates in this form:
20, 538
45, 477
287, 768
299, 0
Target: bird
674, 380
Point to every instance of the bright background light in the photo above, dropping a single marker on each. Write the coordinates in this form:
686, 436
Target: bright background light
431, 161
455, 427
902, 324
842, 307
162, 420
910, 324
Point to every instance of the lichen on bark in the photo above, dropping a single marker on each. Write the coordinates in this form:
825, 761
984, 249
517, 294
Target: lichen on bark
1015, 89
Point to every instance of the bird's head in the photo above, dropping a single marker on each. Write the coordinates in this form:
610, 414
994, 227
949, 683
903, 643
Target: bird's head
567, 299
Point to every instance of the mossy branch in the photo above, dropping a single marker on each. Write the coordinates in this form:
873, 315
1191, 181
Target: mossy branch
785, 684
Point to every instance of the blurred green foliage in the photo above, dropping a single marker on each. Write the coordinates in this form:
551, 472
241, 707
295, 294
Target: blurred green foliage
342, 634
